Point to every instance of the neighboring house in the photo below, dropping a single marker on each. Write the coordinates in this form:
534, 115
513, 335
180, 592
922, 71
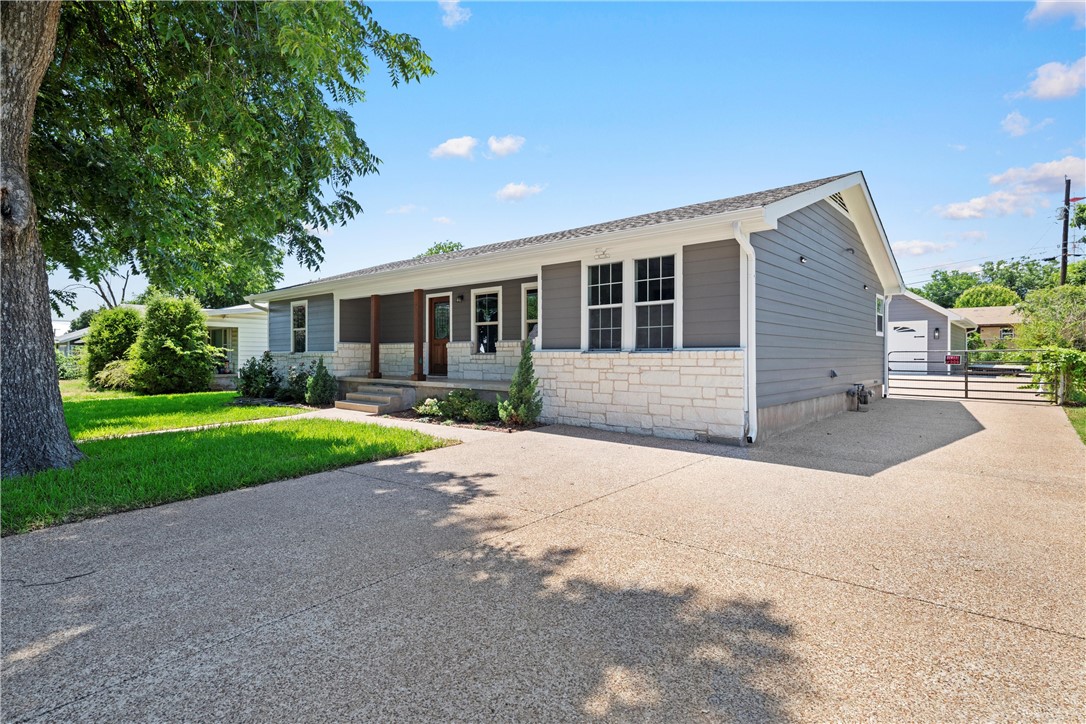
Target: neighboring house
69, 342
730, 319
242, 331
921, 334
994, 324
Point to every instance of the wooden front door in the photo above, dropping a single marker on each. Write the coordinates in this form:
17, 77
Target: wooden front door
440, 317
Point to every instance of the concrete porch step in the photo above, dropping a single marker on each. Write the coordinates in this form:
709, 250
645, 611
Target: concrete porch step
372, 408
375, 398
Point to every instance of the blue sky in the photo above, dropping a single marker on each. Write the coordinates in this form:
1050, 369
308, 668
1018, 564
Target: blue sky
964, 118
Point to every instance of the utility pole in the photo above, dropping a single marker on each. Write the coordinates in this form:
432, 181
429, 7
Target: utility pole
1066, 222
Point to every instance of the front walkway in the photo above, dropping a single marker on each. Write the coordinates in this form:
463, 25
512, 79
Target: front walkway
921, 561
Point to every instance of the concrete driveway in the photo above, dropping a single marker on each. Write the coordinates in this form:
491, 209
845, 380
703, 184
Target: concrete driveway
921, 561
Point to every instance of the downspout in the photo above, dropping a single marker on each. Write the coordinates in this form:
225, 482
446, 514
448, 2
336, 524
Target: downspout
886, 344
748, 336
257, 306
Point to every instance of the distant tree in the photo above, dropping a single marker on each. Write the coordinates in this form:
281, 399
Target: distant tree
1021, 275
83, 319
946, 286
987, 295
1053, 317
441, 247
1076, 273
1078, 216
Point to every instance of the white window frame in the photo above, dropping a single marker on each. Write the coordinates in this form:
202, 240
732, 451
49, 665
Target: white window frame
524, 289
1009, 335
621, 306
880, 315
293, 329
475, 325
660, 302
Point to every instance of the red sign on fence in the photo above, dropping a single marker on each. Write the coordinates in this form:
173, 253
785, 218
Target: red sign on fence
953, 359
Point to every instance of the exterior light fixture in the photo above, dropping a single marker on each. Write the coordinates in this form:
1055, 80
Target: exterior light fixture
937, 333
459, 298
803, 260
865, 286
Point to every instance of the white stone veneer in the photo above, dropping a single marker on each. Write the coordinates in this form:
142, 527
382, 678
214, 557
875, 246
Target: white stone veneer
351, 359
680, 394
467, 365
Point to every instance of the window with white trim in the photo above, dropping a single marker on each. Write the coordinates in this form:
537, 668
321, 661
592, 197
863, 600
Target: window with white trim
654, 302
1006, 332
531, 311
299, 318
487, 321
605, 306
880, 314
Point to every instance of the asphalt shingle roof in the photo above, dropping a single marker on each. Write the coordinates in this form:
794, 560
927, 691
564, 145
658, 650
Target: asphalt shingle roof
709, 208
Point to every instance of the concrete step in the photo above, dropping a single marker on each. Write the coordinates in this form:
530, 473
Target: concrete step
374, 409
377, 389
373, 397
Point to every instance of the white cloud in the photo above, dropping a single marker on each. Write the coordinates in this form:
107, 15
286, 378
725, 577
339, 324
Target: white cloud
505, 145
517, 192
453, 14
443, 220
1056, 80
462, 147
919, 248
405, 209
1023, 190
959, 147
1016, 124
1046, 10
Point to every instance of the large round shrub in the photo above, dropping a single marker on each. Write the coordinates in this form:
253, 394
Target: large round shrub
112, 333
173, 352
988, 295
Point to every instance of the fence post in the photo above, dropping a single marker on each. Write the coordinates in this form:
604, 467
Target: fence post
965, 358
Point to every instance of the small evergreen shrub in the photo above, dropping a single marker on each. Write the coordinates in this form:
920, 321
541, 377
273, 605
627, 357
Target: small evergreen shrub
430, 407
297, 383
525, 402
112, 333
259, 377
454, 404
173, 352
117, 375
68, 366
480, 411
321, 388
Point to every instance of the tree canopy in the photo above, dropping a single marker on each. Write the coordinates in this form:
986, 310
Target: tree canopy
1019, 275
987, 295
197, 143
1054, 317
946, 286
441, 247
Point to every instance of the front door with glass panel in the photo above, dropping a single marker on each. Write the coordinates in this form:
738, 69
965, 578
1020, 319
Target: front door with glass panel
439, 336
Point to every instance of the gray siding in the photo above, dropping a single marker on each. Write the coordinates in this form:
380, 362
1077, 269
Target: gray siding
354, 320
817, 316
510, 309
903, 309
560, 306
397, 318
958, 338
279, 326
711, 295
319, 334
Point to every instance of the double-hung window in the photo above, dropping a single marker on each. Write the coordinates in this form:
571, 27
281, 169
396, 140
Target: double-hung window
298, 323
531, 311
605, 306
487, 322
880, 314
654, 302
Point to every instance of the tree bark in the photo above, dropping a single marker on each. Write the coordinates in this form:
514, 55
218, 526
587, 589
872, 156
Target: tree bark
33, 434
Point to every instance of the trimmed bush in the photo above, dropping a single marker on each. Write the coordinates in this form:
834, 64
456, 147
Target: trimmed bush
297, 383
430, 407
480, 411
173, 353
321, 388
525, 402
68, 367
454, 404
259, 377
112, 333
117, 375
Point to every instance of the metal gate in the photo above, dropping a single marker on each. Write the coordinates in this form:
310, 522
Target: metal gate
988, 374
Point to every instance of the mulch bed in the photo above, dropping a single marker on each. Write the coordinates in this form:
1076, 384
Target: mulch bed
269, 402
494, 426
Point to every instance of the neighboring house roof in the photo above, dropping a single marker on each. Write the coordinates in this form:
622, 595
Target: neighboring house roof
233, 311
954, 315
991, 316
61, 326
773, 203
73, 336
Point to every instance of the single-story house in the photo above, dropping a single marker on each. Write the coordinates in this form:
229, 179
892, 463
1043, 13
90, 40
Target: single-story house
994, 324
729, 319
241, 330
921, 335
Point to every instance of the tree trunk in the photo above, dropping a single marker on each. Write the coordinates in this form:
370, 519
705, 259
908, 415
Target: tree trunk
33, 434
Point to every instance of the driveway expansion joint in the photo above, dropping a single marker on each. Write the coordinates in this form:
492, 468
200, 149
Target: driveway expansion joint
23, 584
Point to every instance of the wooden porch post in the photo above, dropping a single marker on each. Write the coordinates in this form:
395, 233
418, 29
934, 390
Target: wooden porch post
375, 336
420, 324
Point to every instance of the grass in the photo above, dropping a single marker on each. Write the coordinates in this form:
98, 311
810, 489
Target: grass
80, 390
91, 414
139, 472
1077, 416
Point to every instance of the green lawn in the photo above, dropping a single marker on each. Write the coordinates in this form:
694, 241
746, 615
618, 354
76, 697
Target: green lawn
106, 414
139, 472
1077, 415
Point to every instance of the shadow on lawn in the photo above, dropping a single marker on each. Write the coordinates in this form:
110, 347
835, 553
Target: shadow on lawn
381, 591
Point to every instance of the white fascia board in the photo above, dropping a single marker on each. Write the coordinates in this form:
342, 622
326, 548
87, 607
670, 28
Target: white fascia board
853, 189
523, 262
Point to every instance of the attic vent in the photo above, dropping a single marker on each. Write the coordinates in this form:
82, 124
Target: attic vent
840, 201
